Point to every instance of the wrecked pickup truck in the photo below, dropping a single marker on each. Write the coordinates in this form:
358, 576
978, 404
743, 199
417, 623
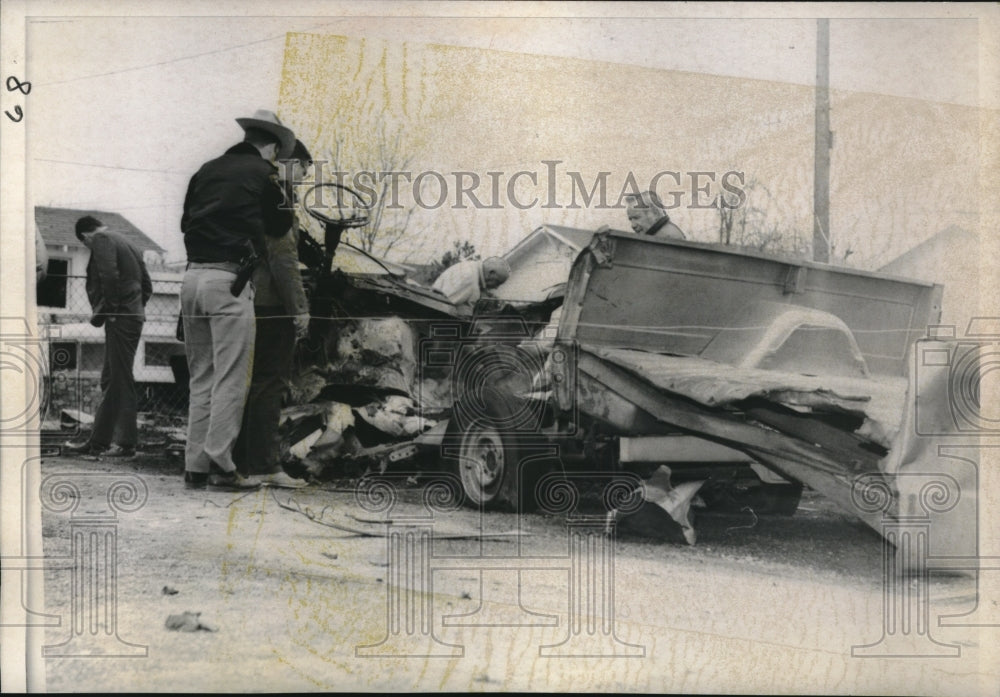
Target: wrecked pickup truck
718, 364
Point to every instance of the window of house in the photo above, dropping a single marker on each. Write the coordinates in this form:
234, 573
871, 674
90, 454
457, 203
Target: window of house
52, 291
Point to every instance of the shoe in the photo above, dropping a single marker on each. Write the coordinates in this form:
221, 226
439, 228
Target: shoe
85, 448
195, 480
119, 451
281, 480
231, 481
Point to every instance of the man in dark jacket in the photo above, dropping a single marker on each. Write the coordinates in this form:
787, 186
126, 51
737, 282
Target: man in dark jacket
648, 216
118, 287
233, 202
282, 313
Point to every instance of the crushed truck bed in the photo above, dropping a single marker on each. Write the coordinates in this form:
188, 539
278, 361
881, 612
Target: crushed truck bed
880, 400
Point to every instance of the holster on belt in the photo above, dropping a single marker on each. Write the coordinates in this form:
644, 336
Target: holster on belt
245, 270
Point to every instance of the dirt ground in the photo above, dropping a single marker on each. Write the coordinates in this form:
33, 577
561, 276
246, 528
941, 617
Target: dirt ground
772, 605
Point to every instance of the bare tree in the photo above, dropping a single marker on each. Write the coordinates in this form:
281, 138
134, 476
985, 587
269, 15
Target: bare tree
375, 170
745, 221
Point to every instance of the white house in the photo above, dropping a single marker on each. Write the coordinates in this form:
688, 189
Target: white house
541, 261
64, 311
951, 258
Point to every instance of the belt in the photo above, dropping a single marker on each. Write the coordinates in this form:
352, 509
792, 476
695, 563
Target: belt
230, 266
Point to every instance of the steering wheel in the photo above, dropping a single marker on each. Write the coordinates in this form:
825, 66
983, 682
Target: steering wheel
319, 205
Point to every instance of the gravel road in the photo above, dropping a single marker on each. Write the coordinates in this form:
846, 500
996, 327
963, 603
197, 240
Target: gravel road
769, 605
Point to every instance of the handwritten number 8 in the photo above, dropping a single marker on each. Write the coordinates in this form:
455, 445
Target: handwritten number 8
24, 88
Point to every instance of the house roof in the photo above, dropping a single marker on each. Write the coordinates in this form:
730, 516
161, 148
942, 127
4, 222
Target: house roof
939, 249
58, 227
575, 238
541, 261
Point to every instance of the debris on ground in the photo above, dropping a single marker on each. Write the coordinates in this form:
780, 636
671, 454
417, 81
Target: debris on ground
188, 622
301, 448
71, 418
395, 416
167, 590
177, 435
372, 428
665, 512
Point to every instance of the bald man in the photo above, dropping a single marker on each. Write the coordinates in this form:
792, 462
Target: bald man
463, 283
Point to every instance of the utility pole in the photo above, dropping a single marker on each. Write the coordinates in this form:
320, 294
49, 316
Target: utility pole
821, 173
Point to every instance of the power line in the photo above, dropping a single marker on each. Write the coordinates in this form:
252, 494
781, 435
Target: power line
128, 169
85, 205
175, 60
154, 65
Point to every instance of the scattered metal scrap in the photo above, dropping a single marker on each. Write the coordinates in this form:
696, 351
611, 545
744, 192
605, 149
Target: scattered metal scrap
188, 622
793, 374
321, 519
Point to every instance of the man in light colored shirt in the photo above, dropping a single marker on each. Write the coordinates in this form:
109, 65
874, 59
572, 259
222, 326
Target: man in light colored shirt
463, 283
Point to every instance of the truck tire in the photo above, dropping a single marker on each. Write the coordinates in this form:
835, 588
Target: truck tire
498, 468
483, 462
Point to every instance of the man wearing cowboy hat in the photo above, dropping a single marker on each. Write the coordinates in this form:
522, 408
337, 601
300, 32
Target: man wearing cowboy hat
232, 204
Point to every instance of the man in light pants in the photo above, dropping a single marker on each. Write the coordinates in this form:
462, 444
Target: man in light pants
232, 202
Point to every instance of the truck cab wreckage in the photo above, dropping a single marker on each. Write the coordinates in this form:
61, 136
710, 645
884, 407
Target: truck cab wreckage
703, 368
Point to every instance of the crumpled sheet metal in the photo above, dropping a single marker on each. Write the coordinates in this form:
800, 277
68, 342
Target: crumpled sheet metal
715, 384
935, 469
676, 501
666, 510
395, 416
369, 352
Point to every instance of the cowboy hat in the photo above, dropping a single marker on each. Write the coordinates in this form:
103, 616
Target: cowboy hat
301, 152
268, 121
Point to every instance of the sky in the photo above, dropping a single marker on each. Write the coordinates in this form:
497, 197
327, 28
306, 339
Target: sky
125, 108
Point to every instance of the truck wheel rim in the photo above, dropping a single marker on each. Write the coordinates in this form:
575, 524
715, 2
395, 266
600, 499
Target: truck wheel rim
482, 464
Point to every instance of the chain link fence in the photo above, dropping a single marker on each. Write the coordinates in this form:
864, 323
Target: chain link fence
75, 355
